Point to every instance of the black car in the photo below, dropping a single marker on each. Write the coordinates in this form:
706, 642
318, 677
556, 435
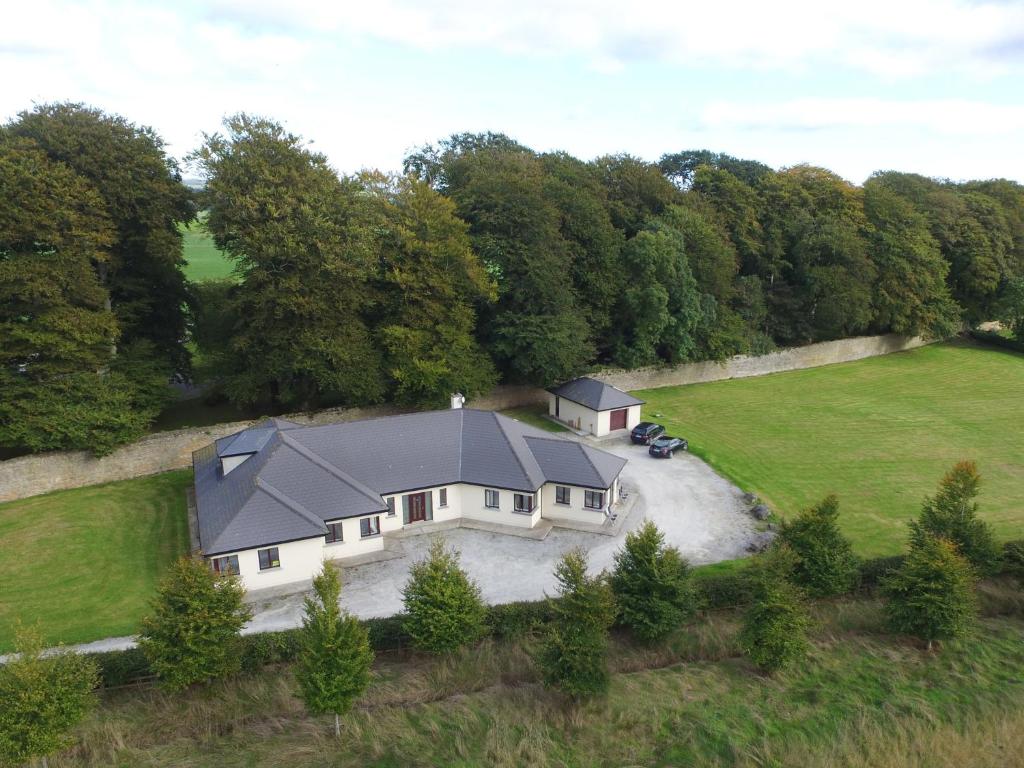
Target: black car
646, 432
665, 446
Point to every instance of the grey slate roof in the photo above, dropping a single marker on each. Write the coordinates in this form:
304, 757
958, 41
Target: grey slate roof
594, 394
297, 477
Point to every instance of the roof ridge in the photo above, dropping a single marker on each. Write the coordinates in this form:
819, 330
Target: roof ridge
288, 502
586, 455
324, 464
508, 442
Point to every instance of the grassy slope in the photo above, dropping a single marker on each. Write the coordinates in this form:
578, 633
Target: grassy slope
534, 416
862, 698
84, 562
204, 261
878, 432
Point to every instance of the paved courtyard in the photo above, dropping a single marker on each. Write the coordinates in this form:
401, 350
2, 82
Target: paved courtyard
700, 512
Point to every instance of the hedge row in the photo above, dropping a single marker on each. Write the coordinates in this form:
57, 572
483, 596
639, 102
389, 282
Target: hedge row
508, 621
998, 340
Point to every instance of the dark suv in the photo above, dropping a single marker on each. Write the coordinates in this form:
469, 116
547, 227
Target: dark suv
646, 432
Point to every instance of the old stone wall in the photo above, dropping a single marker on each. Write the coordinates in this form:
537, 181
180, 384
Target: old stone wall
32, 475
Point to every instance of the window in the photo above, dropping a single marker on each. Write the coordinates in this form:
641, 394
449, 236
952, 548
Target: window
369, 526
269, 558
334, 534
442, 497
491, 499
593, 500
562, 494
391, 506
523, 502
228, 564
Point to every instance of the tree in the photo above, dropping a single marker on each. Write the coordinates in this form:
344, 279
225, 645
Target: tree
143, 196
651, 583
911, 296
774, 633
305, 252
444, 610
637, 191
681, 167
931, 595
333, 666
429, 278
825, 564
192, 633
573, 656
952, 514
1011, 307
43, 698
60, 384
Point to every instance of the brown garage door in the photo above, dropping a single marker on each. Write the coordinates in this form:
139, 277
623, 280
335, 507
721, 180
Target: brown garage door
618, 419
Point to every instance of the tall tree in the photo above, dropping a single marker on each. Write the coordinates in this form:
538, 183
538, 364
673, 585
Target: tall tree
192, 633
60, 383
637, 191
535, 332
144, 198
573, 656
651, 582
333, 665
41, 699
952, 514
429, 279
681, 167
298, 236
911, 296
774, 632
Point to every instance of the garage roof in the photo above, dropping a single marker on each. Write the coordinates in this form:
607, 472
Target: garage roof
594, 394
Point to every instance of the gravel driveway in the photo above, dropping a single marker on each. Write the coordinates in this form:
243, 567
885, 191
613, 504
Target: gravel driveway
700, 512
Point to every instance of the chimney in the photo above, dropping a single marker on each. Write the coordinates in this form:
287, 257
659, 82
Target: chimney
458, 400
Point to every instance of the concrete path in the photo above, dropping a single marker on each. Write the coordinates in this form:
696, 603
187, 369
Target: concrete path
700, 512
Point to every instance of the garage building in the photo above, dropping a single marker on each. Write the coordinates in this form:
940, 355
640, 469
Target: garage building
592, 406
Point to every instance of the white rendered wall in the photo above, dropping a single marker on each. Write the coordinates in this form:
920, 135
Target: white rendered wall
300, 560
575, 509
575, 414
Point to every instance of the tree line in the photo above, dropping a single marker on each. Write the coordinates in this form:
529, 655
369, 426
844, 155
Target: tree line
191, 636
483, 261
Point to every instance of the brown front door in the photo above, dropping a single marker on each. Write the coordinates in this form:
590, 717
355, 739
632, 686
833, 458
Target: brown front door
618, 419
417, 507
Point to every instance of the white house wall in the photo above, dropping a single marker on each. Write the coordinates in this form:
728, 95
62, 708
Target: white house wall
575, 510
595, 422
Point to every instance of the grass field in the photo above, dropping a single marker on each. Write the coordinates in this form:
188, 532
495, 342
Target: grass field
861, 699
880, 433
204, 261
534, 416
84, 563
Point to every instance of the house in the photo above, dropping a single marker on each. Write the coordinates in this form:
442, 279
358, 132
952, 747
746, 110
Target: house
273, 501
593, 406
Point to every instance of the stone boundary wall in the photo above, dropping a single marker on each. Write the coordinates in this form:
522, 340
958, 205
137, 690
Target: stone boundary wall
33, 475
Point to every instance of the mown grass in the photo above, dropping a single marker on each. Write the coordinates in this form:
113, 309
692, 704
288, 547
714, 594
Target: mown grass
204, 261
534, 415
862, 698
880, 433
83, 564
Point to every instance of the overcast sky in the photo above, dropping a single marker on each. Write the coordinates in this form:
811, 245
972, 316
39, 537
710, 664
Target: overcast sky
930, 86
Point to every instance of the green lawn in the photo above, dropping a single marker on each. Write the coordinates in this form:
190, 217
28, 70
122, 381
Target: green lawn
880, 433
83, 563
204, 261
534, 416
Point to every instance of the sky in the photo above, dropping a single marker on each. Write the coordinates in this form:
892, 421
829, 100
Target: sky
927, 86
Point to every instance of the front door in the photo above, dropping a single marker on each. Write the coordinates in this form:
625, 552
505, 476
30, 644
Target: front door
618, 419
417, 507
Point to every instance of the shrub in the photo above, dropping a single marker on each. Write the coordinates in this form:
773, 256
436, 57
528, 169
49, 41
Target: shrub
443, 607
774, 633
514, 620
41, 699
121, 667
825, 563
264, 648
387, 633
652, 584
573, 657
192, 635
932, 595
333, 668
723, 590
1013, 560
874, 570
953, 515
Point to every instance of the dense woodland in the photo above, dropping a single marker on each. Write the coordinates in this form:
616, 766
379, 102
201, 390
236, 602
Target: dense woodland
483, 262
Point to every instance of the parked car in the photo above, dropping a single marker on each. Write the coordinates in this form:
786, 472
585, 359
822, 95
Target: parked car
646, 432
665, 446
